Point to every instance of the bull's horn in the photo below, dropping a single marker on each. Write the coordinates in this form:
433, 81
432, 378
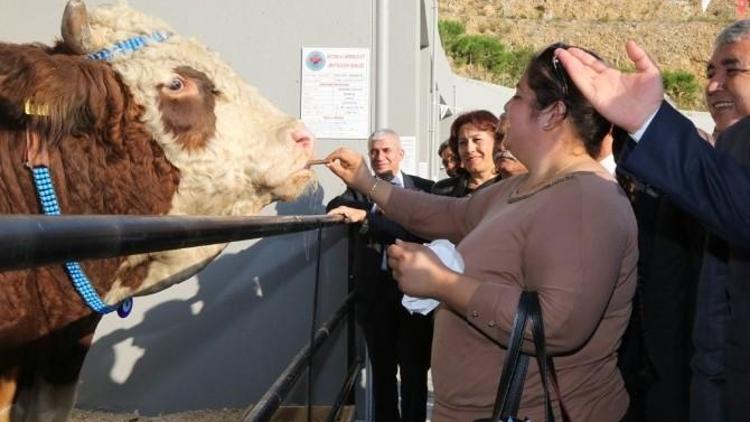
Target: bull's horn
75, 28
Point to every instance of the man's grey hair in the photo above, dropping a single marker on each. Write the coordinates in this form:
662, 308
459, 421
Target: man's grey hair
382, 133
737, 31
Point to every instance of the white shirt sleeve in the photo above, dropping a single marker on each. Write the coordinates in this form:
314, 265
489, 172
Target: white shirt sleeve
641, 130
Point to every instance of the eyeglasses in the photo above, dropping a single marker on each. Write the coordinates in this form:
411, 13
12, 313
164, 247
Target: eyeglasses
560, 74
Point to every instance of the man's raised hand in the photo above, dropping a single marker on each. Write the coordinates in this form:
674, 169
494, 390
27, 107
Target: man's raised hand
625, 99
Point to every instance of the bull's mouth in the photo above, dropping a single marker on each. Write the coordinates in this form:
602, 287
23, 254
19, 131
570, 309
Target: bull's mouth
294, 185
305, 171
290, 186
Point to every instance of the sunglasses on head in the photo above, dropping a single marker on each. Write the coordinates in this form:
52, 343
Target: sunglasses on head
560, 75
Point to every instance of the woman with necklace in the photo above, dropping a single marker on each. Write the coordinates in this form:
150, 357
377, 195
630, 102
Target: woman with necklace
565, 229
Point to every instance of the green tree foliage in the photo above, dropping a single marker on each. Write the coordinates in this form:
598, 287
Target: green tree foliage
682, 88
504, 64
479, 50
450, 31
491, 54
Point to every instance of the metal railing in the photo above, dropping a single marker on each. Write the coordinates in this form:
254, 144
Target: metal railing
34, 240
31, 240
270, 402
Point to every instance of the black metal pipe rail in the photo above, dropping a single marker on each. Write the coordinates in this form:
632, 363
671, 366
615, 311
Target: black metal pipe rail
27, 241
345, 391
272, 399
33, 240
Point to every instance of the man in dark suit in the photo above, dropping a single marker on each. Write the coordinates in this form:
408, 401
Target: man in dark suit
726, 268
712, 184
395, 338
671, 266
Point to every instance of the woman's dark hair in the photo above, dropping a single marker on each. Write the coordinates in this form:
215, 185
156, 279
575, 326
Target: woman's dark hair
481, 119
443, 146
550, 82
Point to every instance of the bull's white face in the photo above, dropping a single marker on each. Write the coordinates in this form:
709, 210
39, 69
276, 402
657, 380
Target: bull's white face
235, 151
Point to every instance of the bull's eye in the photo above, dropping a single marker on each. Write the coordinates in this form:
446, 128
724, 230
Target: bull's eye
175, 84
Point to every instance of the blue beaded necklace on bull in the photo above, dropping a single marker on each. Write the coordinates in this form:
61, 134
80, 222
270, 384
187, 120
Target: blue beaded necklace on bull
38, 161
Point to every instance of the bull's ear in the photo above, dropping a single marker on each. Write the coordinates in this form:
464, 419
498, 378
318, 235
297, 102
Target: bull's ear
75, 29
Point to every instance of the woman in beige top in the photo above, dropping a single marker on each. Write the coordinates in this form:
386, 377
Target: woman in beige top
565, 229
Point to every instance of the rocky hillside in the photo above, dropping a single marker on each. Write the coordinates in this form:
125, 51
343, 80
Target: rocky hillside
677, 33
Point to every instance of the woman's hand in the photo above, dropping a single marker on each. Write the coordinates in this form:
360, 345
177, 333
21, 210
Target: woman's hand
351, 215
417, 269
625, 99
420, 273
350, 167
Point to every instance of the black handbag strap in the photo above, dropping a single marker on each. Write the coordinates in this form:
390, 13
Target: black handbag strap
544, 361
513, 374
513, 401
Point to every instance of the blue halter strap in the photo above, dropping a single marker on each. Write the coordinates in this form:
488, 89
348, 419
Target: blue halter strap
48, 199
129, 45
46, 191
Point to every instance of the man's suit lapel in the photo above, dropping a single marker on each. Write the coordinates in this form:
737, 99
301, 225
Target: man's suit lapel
409, 182
735, 141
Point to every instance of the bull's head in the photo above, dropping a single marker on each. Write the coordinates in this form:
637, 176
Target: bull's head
164, 129
235, 151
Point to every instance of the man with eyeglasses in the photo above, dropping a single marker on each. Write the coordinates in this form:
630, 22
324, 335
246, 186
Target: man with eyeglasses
712, 184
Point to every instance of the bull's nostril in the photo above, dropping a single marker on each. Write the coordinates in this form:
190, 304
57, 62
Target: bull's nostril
303, 139
304, 142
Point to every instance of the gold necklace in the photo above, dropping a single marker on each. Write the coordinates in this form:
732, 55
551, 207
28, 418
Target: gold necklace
515, 196
565, 173
546, 179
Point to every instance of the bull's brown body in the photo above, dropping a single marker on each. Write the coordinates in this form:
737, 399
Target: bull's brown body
116, 144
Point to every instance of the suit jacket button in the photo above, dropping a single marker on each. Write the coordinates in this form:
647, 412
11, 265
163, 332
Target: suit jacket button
491, 324
475, 314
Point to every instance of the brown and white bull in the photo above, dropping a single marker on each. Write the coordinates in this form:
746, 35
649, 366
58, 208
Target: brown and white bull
168, 129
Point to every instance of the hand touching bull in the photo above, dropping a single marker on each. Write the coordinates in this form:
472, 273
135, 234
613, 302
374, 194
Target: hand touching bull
404, 258
417, 269
350, 167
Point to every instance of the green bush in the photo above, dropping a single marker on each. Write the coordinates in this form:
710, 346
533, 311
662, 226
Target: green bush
504, 64
511, 69
450, 31
480, 50
682, 88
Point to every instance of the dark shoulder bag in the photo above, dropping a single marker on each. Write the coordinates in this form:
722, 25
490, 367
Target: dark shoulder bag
514, 368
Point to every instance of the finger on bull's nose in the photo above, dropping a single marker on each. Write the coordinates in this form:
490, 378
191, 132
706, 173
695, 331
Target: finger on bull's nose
317, 162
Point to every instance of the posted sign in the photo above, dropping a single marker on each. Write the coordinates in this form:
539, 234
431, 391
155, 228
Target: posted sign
335, 97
